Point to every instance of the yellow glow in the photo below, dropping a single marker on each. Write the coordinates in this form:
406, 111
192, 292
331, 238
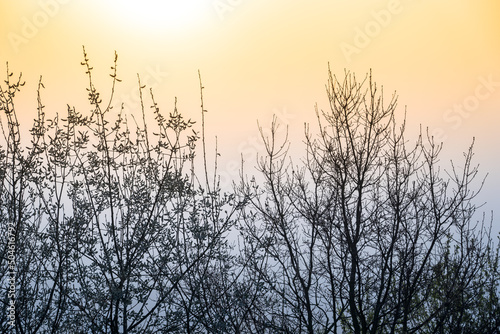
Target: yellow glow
259, 57
158, 14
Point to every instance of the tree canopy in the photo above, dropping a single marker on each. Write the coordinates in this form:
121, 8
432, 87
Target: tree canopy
108, 226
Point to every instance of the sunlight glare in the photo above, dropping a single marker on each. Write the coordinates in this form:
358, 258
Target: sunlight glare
157, 14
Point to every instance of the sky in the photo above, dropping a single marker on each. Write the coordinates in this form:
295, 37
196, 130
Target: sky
258, 58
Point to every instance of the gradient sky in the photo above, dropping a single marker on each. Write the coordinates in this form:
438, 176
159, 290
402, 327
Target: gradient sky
261, 57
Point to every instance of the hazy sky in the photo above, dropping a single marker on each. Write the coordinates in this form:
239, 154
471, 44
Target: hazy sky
261, 57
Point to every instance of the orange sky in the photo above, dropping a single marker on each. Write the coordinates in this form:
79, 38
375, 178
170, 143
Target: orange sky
260, 57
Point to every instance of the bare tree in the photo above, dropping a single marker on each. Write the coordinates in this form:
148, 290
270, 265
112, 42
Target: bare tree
357, 236
112, 224
147, 224
108, 228
32, 195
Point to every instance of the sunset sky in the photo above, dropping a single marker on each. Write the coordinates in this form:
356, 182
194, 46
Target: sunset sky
258, 58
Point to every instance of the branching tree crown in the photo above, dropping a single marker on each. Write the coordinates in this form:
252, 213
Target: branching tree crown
107, 228
368, 234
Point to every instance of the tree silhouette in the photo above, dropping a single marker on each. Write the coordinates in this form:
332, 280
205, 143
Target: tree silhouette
108, 226
110, 219
367, 234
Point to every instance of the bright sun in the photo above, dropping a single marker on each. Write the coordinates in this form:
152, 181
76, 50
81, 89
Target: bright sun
173, 14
